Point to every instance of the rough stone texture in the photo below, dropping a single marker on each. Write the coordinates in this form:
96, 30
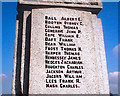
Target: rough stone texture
16, 88
87, 5
15, 62
29, 73
103, 60
21, 54
90, 84
100, 52
25, 16
80, 3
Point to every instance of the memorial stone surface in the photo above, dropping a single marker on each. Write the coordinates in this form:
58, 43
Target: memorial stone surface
59, 48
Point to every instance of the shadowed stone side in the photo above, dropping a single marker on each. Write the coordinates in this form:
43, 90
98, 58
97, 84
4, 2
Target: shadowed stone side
27, 55
18, 57
24, 35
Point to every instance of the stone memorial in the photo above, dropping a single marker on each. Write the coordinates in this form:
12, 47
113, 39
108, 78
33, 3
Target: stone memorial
59, 48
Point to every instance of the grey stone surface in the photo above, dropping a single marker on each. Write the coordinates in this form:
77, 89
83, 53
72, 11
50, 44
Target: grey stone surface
15, 58
100, 52
84, 36
103, 60
25, 16
16, 86
21, 54
93, 6
93, 3
90, 81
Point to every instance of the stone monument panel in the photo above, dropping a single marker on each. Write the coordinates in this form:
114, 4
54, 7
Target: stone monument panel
59, 48
63, 56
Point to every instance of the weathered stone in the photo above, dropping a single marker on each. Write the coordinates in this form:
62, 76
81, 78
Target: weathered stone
15, 59
100, 53
24, 47
87, 5
59, 39
88, 53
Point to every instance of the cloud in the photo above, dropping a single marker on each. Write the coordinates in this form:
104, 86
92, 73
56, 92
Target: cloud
3, 76
115, 50
113, 81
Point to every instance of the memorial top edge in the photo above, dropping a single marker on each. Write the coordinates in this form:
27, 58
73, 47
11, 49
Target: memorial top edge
71, 3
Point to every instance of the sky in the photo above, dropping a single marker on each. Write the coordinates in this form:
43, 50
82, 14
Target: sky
109, 17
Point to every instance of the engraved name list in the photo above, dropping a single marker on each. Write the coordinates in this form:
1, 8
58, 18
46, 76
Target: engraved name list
63, 62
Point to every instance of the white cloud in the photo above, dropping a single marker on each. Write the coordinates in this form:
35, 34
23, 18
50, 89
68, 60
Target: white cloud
115, 50
113, 80
2, 76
